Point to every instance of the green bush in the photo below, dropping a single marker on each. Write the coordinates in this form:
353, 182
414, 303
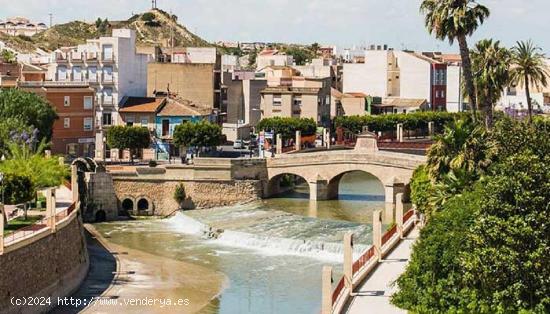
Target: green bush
410, 121
152, 163
198, 134
179, 194
421, 189
17, 189
287, 126
148, 17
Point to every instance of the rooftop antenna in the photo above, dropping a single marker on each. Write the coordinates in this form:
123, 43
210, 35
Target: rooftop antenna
153, 4
51, 19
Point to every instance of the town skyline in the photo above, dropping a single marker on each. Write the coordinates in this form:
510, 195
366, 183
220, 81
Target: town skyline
400, 25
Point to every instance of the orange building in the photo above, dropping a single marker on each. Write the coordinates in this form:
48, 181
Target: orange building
74, 131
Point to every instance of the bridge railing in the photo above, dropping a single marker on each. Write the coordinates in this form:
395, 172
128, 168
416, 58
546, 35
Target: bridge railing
365, 263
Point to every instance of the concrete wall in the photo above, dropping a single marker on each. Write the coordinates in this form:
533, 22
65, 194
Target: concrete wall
194, 82
415, 76
53, 266
369, 77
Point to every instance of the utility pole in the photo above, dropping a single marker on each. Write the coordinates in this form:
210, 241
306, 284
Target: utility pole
51, 20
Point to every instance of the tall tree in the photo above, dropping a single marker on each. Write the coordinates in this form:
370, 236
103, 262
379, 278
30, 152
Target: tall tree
529, 69
491, 65
456, 20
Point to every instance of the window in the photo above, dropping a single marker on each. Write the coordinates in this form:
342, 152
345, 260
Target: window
88, 102
277, 100
144, 121
88, 124
106, 118
130, 121
67, 101
443, 94
77, 74
92, 74
436, 94
62, 73
298, 100
72, 149
108, 74
67, 123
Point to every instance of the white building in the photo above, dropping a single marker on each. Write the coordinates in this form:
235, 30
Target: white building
268, 58
15, 26
112, 68
391, 74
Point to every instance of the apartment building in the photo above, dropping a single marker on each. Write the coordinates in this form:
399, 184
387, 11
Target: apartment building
16, 26
290, 95
399, 74
273, 57
242, 98
75, 130
323, 67
193, 74
113, 69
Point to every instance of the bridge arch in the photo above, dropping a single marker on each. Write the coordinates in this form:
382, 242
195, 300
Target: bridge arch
144, 204
282, 182
333, 187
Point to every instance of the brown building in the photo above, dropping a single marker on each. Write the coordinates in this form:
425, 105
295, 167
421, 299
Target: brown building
74, 131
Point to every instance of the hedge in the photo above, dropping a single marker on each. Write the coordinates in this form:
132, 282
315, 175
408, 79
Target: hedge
287, 126
411, 121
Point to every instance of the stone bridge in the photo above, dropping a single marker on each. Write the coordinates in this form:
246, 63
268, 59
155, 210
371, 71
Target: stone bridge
323, 170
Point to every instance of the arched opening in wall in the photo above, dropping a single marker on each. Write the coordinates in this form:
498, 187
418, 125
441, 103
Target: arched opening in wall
143, 204
288, 185
127, 207
356, 185
100, 216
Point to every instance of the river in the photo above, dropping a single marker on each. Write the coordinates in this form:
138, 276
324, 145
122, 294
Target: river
271, 251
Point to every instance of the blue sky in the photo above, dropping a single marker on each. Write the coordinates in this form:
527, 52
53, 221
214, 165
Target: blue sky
340, 22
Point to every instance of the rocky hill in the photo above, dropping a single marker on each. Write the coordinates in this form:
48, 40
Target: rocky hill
155, 27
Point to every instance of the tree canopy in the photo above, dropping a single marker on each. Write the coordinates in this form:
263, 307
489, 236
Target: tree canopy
287, 126
198, 134
24, 111
128, 137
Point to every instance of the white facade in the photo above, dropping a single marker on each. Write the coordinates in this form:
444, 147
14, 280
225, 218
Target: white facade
263, 61
110, 65
370, 77
455, 99
317, 68
414, 76
195, 55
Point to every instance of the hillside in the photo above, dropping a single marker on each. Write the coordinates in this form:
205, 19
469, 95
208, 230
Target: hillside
152, 28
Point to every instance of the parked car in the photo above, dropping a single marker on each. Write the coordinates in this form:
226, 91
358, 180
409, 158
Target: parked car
238, 144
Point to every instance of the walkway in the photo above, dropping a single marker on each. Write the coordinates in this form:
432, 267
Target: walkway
373, 295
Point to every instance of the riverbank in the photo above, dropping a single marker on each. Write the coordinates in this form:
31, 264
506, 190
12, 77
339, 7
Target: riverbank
145, 278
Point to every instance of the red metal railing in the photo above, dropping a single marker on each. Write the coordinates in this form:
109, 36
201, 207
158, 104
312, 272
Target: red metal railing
26, 231
363, 260
408, 215
387, 236
338, 290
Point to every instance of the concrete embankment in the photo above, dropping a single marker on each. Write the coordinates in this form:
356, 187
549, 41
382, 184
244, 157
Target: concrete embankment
140, 277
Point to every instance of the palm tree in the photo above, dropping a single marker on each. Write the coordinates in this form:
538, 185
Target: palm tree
491, 65
455, 20
529, 68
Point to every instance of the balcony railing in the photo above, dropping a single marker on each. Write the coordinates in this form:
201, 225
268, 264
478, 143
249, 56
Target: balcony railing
107, 100
107, 57
108, 78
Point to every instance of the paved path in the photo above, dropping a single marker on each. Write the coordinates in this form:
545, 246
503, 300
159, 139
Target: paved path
373, 295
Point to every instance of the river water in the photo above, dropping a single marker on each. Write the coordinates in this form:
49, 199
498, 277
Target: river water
271, 251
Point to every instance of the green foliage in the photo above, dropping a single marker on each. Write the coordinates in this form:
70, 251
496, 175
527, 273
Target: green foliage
25, 161
16, 189
530, 69
287, 126
411, 121
148, 17
485, 250
491, 65
8, 56
25, 110
128, 137
152, 163
301, 55
9, 126
179, 194
200, 134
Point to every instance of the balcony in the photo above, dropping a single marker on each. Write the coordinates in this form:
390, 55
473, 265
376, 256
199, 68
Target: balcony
108, 79
107, 57
107, 100
61, 57
92, 56
76, 57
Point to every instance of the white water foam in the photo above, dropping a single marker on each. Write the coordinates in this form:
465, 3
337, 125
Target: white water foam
182, 223
273, 246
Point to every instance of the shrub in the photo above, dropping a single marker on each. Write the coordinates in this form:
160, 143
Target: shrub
148, 17
152, 163
421, 189
287, 127
17, 189
179, 194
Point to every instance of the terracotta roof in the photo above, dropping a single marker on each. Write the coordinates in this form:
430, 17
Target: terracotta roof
30, 68
141, 104
269, 52
335, 93
182, 108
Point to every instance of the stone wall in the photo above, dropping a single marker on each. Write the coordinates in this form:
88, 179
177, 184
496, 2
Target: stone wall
200, 194
53, 266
